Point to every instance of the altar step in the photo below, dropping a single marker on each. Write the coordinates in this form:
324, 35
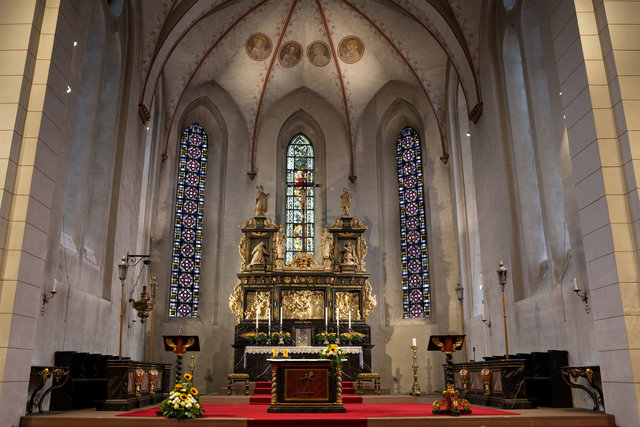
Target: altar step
262, 393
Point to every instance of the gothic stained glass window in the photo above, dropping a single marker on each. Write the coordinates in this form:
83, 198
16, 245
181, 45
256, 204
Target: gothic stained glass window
416, 292
299, 208
187, 227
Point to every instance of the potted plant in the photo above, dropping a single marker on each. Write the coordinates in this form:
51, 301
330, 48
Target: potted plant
344, 338
319, 339
251, 337
275, 338
262, 338
356, 338
331, 338
286, 337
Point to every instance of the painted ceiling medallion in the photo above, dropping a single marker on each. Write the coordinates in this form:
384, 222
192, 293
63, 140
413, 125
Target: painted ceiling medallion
290, 54
258, 46
318, 53
351, 49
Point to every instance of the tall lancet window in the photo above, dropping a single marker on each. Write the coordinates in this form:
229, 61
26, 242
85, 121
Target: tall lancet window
299, 210
413, 230
187, 227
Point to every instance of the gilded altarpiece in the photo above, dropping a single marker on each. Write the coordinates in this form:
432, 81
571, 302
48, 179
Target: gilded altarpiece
309, 293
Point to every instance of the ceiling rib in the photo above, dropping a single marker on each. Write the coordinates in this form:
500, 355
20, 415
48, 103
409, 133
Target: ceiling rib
352, 176
274, 55
197, 67
155, 50
406, 61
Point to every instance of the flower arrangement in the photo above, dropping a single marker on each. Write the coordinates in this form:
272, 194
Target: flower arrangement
344, 338
335, 355
319, 338
183, 401
331, 338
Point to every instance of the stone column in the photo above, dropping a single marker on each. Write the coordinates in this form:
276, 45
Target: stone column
27, 170
597, 51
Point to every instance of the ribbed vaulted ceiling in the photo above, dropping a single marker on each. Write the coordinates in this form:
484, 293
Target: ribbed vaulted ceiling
345, 50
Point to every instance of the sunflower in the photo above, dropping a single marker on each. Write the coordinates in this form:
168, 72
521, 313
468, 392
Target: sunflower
194, 391
188, 377
183, 396
178, 386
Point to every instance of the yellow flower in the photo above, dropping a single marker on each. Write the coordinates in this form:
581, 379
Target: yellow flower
176, 406
188, 377
183, 396
178, 386
197, 406
183, 403
333, 347
194, 391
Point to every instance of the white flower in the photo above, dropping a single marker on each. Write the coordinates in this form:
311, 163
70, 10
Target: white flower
188, 405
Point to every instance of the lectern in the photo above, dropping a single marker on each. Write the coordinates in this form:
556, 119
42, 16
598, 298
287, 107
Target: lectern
180, 344
448, 344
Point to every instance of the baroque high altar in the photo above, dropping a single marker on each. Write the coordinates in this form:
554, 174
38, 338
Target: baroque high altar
309, 295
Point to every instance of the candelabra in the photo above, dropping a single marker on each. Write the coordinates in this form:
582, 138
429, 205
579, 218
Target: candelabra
502, 280
415, 388
47, 297
460, 293
122, 275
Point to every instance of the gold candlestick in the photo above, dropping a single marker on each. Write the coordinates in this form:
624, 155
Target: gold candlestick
415, 388
192, 367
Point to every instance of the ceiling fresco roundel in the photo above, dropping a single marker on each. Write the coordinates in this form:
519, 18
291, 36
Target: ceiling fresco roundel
290, 54
258, 46
351, 49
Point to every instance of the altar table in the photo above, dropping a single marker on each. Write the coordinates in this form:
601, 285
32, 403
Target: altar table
305, 385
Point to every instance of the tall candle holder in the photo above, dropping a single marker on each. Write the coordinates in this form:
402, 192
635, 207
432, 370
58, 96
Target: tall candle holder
350, 330
415, 388
326, 334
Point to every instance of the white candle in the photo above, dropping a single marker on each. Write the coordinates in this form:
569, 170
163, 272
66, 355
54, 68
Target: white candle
413, 342
326, 317
257, 317
349, 319
54, 285
269, 317
280, 319
338, 316
483, 318
575, 284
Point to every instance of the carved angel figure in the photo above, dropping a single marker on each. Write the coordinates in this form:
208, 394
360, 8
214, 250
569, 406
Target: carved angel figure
235, 301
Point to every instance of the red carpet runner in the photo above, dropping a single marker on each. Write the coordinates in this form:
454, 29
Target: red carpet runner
262, 393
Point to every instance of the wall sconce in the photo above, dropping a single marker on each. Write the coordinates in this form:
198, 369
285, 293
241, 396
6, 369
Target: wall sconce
583, 296
47, 296
486, 322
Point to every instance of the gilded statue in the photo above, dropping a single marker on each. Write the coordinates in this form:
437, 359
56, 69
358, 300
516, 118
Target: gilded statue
262, 202
244, 254
304, 261
345, 202
280, 247
348, 255
362, 250
258, 254
326, 243
370, 301
235, 301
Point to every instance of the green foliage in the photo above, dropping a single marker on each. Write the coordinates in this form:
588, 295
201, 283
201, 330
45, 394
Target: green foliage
331, 338
262, 338
356, 338
275, 338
